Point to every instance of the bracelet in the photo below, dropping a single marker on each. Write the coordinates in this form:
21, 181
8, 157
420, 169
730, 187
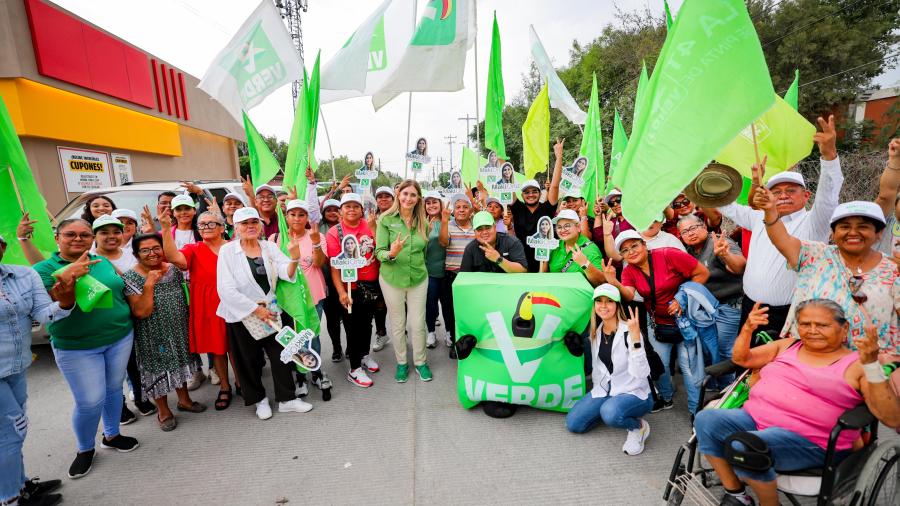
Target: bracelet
766, 223
317, 245
874, 372
23, 238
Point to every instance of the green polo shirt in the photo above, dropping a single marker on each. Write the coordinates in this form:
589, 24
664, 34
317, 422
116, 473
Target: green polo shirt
559, 257
100, 327
408, 269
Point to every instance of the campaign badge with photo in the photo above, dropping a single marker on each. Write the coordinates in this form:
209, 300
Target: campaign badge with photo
543, 240
573, 176
350, 259
297, 349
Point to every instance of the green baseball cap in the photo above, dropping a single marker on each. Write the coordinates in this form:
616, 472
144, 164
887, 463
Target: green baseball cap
481, 219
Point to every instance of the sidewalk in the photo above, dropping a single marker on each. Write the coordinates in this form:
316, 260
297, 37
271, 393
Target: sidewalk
392, 444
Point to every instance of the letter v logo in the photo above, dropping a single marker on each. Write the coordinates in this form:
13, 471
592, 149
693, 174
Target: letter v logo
519, 372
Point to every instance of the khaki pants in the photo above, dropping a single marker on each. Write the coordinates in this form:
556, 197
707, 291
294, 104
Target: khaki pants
406, 304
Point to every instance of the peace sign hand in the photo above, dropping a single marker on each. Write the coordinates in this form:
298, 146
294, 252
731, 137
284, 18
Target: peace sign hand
827, 138
397, 245
609, 271
489, 252
165, 219
25, 228
867, 345
720, 245
634, 324
147, 221
607, 224
558, 147
758, 316
578, 256
77, 268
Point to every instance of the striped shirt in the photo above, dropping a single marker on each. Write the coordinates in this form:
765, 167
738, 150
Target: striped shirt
459, 239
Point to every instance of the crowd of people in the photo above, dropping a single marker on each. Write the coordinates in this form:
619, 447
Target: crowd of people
194, 279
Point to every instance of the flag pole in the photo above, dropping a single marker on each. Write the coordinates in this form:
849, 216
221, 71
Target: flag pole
477, 104
409, 106
328, 138
12, 179
755, 145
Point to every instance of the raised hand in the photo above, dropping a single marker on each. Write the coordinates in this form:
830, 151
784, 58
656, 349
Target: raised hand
397, 245
247, 185
607, 224
720, 245
446, 213
165, 219
867, 345
25, 228
827, 138
310, 175
344, 182
489, 252
558, 147
77, 268
294, 249
63, 291
147, 221
314, 234
609, 271
758, 171
578, 256
192, 187
291, 193
212, 206
507, 218
763, 199
758, 316
153, 276
634, 324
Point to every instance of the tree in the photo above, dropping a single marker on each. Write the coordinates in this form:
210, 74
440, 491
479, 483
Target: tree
278, 148
343, 166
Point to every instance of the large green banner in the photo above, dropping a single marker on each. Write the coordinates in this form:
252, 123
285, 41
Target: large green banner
519, 321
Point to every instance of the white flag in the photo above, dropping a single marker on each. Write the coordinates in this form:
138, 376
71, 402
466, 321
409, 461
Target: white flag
259, 59
560, 98
373, 51
436, 57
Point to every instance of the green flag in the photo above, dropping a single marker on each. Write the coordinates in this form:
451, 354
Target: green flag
710, 82
592, 148
263, 165
792, 95
619, 143
295, 298
469, 165
782, 135
302, 146
536, 135
17, 184
643, 83
669, 21
493, 114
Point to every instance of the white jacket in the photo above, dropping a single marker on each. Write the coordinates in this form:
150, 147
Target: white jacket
630, 367
239, 292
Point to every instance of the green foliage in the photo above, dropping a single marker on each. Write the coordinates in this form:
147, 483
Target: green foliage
344, 165
821, 38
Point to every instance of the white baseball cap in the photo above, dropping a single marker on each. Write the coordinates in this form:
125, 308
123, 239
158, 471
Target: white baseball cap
235, 196
574, 194
457, 197
612, 193
183, 200
105, 220
264, 187
856, 208
433, 194
244, 214
627, 236
384, 189
296, 204
607, 290
566, 214
125, 213
329, 203
351, 197
786, 177
493, 199
531, 183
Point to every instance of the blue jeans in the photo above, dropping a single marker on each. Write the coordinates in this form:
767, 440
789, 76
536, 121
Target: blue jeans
690, 361
728, 323
13, 428
95, 378
789, 451
431, 302
622, 411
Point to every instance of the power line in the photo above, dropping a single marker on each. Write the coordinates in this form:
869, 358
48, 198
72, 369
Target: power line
850, 69
811, 23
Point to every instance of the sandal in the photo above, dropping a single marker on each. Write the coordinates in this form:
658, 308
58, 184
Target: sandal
168, 424
195, 407
223, 400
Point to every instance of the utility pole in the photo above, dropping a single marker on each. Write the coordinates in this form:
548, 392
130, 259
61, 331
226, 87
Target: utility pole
451, 140
467, 119
290, 12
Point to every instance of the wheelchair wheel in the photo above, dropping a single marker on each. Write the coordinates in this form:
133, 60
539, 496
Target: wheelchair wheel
879, 480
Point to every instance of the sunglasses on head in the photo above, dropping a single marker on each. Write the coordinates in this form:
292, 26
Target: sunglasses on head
615, 202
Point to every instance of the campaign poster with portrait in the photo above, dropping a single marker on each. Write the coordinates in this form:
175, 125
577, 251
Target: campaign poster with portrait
350, 259
298, 349
543, 240
366, 173
490, 173
455, 183
573, 176
506, 186
419, 156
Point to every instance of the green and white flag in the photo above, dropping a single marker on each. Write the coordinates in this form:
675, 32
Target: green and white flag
520, 356
640, 95
302, 146
259, 59
263, 165
496, 98
435, 59
710, 82
619, 144
592, 148
669, 21
371, 54
560, 98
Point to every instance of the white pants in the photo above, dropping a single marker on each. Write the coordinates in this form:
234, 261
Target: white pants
403, 304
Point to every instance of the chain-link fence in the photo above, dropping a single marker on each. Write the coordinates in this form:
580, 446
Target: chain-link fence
861, 174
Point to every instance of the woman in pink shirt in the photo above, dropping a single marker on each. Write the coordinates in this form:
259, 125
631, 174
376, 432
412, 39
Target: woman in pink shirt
804, 386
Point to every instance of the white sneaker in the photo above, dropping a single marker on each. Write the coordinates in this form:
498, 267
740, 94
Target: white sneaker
448, 340
359, 378
263, 410
430, 340
381, 342
302, 390
295, 406
196, 380
213, 377
634, 444
369, 364
131, 395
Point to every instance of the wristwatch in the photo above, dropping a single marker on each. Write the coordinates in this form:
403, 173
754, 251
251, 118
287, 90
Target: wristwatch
499, 260
585, 266
636, 345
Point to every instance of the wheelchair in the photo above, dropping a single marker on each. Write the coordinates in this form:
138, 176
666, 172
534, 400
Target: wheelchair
867, 477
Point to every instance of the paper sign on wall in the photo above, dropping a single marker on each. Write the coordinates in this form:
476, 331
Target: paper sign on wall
84, 169
121, 164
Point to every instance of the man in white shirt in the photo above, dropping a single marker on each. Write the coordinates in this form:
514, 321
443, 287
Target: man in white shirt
767, 279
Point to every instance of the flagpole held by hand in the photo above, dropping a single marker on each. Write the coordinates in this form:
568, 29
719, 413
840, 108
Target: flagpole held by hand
350, 297
15, 186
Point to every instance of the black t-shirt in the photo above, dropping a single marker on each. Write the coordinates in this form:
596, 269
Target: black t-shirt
525, 224
604, 349
509, 248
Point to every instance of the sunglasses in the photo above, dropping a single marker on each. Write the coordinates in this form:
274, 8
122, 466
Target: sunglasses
615, 202
678, 204
856, 292
259, 266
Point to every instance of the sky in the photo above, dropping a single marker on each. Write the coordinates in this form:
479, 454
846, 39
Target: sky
189, 34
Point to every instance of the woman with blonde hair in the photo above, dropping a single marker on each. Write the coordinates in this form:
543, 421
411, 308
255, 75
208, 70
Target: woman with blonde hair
400, 243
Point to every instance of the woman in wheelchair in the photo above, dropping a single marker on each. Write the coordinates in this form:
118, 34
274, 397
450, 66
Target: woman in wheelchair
804, 385
621, 393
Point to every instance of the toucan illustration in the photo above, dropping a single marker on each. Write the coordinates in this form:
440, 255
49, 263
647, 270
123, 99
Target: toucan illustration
523, 324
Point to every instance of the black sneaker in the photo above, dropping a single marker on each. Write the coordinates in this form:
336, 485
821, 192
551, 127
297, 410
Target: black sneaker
35, 487
145, 408
661, 404
121, 443
41, 500
496, 409
81, 465
337, 356
453, 352
127, 416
